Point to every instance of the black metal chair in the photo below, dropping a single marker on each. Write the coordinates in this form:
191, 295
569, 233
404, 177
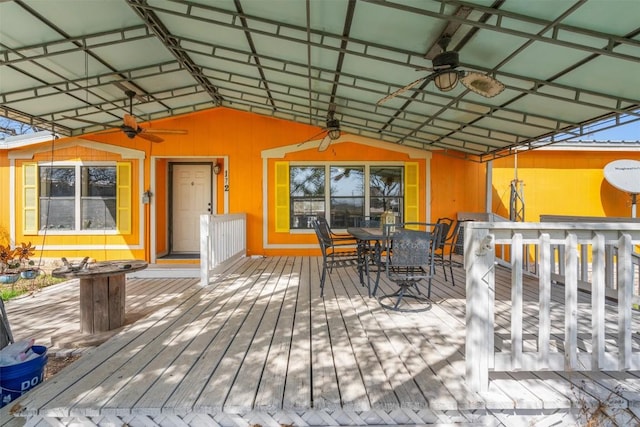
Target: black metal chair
455, 250
410, 261
447, 232
337, 250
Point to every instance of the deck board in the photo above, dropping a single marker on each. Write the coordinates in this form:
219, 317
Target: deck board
263, 343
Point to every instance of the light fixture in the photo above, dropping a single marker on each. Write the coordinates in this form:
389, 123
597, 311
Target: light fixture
446, 80
333, 128
217, 168
482, 84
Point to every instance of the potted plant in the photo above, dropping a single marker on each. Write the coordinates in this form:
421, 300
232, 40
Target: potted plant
8, 265
28, 269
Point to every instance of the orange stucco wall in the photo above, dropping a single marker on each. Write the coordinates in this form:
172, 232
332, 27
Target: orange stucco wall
456, 186
241, 138
562, 183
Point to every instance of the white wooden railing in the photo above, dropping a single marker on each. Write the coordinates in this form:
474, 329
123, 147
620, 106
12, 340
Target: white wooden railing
556, 345
222, 238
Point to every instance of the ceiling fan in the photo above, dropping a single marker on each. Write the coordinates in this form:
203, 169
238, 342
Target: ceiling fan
332, 130
446, 77
131, 128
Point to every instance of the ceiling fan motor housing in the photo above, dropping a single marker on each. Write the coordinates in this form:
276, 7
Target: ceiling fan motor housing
333, 124
448, 59
131, 133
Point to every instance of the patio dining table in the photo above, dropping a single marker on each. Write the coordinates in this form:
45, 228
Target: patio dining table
370, 250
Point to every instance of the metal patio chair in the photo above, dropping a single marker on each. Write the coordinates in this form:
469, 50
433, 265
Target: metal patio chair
409, 262
455, 249
447, 232
337, 250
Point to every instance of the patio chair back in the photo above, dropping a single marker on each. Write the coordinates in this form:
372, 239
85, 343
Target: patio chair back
337, 250
412, 248
455, 247
447, 230
411, 260
323, 232
447, 233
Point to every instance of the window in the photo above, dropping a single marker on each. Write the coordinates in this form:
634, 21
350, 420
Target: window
348, 197
386, 192
307, 199
77, 197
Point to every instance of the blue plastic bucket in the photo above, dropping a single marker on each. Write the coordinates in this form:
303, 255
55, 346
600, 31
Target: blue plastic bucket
15, 380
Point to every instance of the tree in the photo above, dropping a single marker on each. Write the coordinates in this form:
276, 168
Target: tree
10, 127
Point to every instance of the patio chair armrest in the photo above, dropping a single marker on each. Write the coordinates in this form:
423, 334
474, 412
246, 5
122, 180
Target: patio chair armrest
344, 242
342, 237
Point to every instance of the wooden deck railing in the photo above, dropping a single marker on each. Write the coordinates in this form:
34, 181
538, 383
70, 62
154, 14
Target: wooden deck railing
581, 244
222, 238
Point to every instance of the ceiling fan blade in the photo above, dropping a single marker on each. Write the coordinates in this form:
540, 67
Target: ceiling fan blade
130, 121
404, 89
165, 131
312, 138
482, 84
150, 137
324, 144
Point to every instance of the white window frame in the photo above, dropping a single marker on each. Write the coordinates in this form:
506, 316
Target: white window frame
77, 199
327, 181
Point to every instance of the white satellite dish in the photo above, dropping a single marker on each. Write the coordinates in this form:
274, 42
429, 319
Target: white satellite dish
625, 176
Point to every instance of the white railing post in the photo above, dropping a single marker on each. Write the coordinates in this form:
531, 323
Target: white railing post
547, 254
516, 301
625, 296
571, 302
205, 252
479, 259
598, 301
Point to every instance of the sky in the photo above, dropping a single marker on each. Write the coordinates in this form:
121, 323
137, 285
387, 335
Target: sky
628, 132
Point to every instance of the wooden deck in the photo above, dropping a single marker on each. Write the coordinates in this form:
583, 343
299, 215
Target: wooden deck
262, 348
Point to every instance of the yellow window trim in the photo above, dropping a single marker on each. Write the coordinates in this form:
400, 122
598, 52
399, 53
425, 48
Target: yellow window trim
30, 212
123, 197
282, 213
411, 192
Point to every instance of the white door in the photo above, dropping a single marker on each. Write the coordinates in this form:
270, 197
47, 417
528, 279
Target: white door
191, 198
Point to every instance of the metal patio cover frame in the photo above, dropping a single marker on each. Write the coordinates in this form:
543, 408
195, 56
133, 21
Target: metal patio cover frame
566, 65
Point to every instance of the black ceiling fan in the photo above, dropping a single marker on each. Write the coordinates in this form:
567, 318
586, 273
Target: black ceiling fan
446, 76
131, 128
332, 130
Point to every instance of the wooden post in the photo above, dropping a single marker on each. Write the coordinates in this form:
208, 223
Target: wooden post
479, 262
205, 248
102, 303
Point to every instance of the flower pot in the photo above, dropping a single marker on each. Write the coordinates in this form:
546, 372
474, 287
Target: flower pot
8, 278
29, 274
